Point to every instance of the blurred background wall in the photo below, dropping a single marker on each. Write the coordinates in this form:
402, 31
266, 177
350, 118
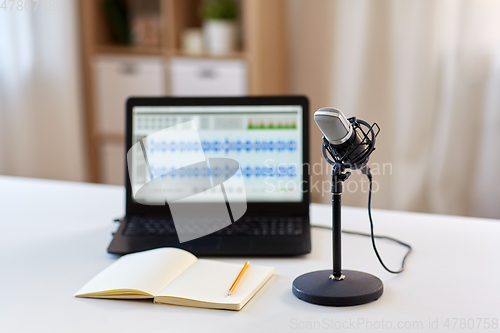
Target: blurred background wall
41, 127
427, 71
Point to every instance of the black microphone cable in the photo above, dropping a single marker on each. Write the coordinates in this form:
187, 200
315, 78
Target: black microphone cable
366, 171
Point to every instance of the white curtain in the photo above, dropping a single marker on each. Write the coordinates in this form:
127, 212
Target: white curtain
428, 72
40, 105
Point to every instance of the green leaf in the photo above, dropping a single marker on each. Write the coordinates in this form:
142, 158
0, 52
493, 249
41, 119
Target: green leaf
220, 10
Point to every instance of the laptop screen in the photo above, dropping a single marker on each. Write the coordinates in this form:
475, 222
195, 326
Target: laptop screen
266, 141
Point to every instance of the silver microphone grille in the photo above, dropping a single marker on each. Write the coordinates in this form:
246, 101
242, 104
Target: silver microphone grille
334, 125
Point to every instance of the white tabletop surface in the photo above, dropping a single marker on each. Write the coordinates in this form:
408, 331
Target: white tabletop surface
54, 235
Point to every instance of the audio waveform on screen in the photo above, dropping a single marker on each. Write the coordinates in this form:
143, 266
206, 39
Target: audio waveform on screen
218, 146
249, 171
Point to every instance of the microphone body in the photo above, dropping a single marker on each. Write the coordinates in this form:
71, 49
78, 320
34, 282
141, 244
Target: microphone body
343, 138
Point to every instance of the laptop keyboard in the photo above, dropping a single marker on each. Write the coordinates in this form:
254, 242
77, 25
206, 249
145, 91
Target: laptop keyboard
246, 226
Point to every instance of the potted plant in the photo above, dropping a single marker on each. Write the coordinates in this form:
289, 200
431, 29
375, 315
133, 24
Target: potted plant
220, 29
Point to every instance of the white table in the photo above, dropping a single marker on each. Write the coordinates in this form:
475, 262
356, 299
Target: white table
54, 235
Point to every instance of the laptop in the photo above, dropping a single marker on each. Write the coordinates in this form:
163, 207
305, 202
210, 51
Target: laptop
267, 137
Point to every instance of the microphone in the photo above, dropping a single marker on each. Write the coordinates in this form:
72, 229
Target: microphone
343, 138
345, 145
348, 146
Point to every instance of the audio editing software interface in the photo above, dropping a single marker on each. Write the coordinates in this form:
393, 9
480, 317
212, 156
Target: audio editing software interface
266, 141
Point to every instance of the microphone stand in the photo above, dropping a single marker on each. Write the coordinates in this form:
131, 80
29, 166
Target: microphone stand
338, 177
336, 287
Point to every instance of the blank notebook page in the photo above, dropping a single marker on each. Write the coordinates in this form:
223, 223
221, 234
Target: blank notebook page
147, 271
209, 281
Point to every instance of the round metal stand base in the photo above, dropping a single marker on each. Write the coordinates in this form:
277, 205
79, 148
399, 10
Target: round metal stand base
355, 289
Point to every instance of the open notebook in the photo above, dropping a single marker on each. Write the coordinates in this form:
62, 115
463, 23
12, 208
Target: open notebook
174, 276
